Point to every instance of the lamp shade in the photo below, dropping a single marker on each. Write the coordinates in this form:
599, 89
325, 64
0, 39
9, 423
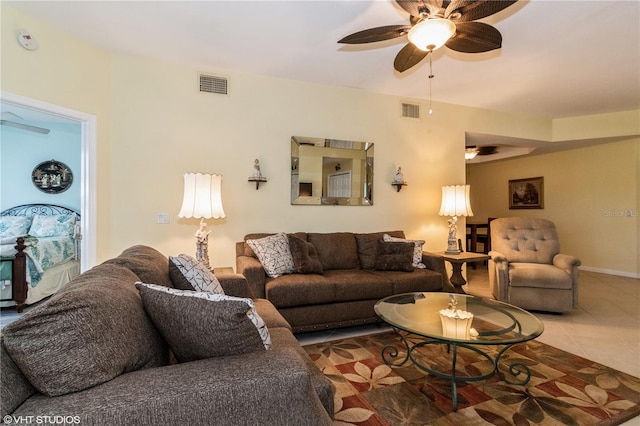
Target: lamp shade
455, 201
202, 198
432, 33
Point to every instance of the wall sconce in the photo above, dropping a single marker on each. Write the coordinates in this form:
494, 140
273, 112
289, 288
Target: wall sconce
257, 174
398, 180
202, 199
455, 202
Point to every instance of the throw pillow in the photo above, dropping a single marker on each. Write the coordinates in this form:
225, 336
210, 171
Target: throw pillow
199, 325
274, 254
394, 256
57, 225
305, 257
417, 251
188, 274
12, 227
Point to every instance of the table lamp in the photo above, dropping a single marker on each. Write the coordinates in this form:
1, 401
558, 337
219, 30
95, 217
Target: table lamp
455, 202
202, 200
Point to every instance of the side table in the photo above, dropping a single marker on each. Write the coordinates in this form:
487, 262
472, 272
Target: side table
457, 260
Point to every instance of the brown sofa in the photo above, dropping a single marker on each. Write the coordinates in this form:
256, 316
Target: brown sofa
91, 355
348, 287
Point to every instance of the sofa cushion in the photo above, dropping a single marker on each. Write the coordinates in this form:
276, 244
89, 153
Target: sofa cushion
188, 274
147, 263
14, 387
368, 246
92, 331
394, 256
296, 290
407, 282
336, 250
305, 256
417, 250
356, 284
274, 254
200, 325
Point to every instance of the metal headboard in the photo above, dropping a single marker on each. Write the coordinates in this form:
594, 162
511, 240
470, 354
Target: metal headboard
42, 209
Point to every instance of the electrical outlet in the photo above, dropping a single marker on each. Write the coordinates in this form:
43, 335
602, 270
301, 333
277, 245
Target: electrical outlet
163, 218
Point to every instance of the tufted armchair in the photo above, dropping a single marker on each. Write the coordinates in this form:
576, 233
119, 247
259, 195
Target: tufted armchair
526, 268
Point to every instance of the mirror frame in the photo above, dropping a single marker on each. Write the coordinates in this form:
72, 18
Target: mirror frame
334, 152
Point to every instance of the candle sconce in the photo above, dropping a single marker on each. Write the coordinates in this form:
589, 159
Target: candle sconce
257, 174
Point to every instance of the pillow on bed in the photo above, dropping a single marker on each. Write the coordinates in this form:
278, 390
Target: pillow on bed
199, 325
57, 225
12, 227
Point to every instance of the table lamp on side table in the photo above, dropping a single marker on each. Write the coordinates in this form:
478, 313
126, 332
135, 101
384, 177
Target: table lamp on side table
202, 200
455, 202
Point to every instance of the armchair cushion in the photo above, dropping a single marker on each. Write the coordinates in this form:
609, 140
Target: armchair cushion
538, 275
525, 239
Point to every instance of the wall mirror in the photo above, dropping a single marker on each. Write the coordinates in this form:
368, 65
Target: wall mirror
331, 172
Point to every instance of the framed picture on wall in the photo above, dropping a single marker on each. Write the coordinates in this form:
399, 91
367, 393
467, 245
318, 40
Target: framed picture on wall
526, 193
52, 177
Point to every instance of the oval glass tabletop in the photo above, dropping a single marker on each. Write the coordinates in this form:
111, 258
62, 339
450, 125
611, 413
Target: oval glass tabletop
493, 322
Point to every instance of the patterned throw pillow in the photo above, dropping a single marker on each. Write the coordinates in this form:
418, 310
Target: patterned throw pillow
274, 254
199, 325
57, 225
12, 227
417, 251
188, 274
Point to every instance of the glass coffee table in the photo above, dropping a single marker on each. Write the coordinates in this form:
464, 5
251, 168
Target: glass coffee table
493, 323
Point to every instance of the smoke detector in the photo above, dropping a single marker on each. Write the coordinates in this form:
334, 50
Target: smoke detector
26, 40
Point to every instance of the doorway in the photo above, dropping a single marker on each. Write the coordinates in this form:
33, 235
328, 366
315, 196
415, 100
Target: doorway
87, 176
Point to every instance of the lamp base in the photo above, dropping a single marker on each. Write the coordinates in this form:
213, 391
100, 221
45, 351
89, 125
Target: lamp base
452, 247
202, 245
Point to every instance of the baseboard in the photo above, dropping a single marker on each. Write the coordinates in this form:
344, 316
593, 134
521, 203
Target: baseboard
610, 272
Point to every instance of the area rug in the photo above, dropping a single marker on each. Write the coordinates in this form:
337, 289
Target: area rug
564, 389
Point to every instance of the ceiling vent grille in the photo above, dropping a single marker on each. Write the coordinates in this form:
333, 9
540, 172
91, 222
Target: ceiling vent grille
410, 110
214, 84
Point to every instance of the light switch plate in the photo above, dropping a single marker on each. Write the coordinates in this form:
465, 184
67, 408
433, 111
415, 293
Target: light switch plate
163, 218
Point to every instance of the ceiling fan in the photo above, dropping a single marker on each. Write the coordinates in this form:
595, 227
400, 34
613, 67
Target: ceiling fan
18, 125
435, 23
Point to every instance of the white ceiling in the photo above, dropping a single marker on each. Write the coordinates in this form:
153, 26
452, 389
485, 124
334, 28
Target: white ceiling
558, 58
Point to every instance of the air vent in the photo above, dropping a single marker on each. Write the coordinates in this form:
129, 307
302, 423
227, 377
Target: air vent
214, 84
410, 110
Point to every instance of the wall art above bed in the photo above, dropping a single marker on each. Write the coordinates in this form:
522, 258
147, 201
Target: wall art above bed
52, 177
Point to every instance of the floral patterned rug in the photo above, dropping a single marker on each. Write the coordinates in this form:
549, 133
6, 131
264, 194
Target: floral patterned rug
564, 389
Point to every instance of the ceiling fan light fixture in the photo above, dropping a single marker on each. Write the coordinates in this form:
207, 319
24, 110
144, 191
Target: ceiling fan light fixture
431, 33
470, 153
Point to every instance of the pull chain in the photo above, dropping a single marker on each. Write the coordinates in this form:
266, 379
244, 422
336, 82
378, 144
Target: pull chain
430, 80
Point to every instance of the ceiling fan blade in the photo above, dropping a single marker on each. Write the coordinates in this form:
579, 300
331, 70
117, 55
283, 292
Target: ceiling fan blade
475, 37
25, 127
408, 57
376, 34
470, 10
418, 7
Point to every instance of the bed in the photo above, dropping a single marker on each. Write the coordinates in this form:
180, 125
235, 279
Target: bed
39, 250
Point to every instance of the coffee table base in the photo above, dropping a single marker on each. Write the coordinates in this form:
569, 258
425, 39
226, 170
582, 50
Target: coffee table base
390, 352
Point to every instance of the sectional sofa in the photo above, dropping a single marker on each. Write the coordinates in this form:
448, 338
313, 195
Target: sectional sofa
98, 353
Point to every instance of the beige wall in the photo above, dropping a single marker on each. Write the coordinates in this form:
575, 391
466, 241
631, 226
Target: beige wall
590, 193
153, 126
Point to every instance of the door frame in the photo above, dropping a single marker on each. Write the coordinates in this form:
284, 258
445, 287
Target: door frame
88, 210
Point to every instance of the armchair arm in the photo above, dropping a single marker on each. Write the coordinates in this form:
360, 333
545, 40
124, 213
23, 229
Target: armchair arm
566, 262
435, 262
498, 275
235, 285
254, 273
